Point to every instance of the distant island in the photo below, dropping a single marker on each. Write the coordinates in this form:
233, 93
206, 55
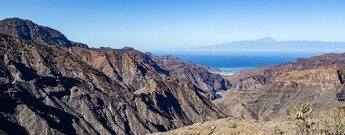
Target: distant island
268, 44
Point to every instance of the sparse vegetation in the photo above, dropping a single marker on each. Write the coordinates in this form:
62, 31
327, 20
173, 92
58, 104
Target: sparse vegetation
332, 123
315, 121
299, 115
301, 111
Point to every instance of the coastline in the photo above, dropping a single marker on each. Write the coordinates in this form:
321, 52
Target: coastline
226, 71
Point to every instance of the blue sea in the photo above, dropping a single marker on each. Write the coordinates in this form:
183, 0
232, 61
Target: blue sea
236, 62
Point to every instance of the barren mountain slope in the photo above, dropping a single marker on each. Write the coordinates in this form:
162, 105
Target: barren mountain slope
58, 89
269, 92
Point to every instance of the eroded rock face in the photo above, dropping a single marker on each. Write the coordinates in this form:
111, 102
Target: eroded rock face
57, 89
135, 69
272, 91
127, 65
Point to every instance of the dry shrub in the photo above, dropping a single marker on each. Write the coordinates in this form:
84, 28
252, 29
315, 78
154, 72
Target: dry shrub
332, 123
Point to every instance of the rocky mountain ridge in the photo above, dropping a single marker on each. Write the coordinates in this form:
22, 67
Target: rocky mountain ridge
50, 85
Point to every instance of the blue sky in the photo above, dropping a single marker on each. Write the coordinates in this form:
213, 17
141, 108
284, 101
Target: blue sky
152, 25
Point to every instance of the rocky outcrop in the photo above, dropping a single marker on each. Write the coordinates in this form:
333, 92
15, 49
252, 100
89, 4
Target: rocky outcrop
27, 30
59, 89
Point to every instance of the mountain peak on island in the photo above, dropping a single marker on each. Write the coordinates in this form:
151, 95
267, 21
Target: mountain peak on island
268, 44
28, 30
265, 39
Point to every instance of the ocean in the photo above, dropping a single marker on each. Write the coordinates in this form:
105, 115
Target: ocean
232, 63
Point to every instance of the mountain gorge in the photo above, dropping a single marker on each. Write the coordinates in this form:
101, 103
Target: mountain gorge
51, 85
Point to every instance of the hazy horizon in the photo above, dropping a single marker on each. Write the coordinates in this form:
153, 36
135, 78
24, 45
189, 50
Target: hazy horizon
167, 25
